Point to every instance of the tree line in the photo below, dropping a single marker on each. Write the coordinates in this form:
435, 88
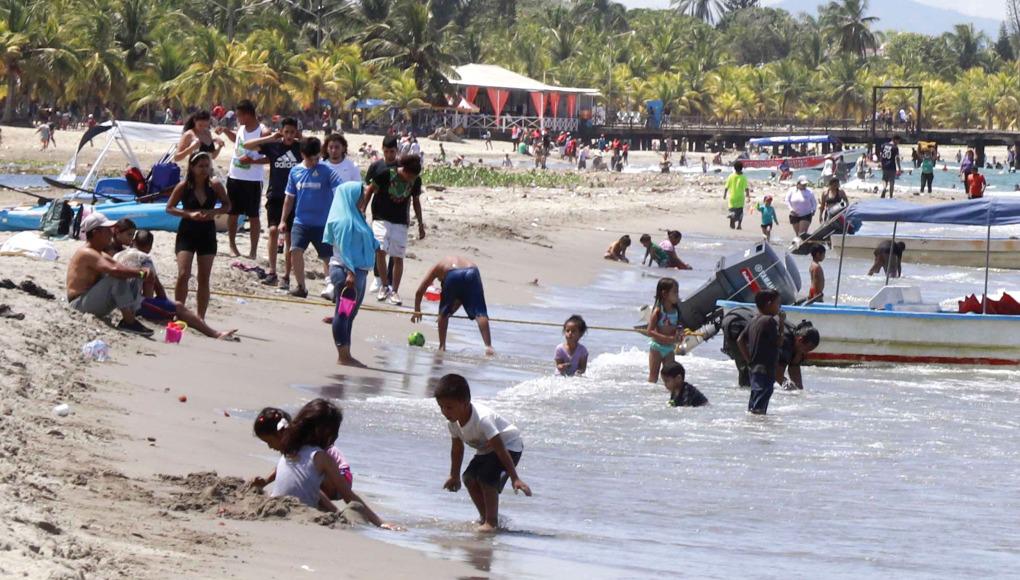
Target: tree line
726, 60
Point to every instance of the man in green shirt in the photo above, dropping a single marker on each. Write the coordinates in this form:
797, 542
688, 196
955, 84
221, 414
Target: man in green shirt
736, 190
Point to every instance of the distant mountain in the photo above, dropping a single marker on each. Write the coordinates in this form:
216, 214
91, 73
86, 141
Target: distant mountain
904, 16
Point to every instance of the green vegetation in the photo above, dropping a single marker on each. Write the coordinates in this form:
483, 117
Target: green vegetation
727, 60
479, 176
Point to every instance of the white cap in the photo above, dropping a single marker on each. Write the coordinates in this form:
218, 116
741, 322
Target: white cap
803, 181
96, 220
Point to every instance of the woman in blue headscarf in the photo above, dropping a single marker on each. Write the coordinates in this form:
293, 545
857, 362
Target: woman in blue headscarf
354, 248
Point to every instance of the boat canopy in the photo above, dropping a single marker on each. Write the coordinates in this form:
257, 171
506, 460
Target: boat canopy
792, 140
987, 211
121, 134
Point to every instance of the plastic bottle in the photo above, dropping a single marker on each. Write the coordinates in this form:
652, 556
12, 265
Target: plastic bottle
96, 350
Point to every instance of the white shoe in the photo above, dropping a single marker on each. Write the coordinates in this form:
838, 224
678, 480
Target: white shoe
327, 292
376, 285
384, 293
394, 299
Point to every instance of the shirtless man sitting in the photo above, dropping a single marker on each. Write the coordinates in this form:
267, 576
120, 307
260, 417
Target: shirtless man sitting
462, 286
98, 285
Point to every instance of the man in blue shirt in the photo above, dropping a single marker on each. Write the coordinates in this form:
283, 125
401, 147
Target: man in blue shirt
309, 195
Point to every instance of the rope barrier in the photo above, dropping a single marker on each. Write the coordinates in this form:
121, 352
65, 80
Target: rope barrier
370, 308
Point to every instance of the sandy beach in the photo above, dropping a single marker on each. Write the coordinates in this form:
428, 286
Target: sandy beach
136, 483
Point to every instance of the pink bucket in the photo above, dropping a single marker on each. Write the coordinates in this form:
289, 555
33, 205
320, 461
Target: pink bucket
174, 332
348, 300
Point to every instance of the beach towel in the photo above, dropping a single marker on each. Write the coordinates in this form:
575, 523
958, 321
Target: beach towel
347, 230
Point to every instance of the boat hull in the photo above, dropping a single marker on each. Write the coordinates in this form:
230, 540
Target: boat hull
1005, 252
149, 216
859, 335
849, 156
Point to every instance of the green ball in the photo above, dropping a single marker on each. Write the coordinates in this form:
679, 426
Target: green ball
416, 339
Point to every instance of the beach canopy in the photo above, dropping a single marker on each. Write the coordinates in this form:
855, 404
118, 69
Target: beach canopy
491, 76
792, 140
986, 211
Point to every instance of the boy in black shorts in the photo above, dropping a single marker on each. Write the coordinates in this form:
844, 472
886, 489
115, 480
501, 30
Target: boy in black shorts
282, 151
498, 444
244, 180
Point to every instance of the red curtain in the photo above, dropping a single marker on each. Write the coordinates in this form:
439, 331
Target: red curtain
538, 99
498, 98
471, 93
554, 102
571, 104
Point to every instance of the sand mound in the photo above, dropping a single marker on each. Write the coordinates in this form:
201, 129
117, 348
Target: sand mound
233, 498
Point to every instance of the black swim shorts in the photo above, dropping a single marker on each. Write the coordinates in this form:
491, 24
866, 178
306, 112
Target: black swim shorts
487, 469
244, 197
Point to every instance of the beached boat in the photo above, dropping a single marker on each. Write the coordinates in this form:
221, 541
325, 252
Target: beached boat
897, 326
947, 251
149, 216
847, 157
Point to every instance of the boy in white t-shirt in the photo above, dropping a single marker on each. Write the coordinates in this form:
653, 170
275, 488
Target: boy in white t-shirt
497, 442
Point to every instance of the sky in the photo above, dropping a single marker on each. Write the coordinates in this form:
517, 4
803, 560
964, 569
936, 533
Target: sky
985, 8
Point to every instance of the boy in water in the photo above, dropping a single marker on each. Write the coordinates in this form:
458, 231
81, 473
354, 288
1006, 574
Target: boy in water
888, 257
759, 345
736, 190
462, 286
681, 393
617, 251
817, 275
497, 442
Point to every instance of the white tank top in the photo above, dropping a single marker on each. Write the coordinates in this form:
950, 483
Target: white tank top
245, 171
297, 477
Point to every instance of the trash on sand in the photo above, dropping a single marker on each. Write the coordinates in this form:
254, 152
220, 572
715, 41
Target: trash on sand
96, 350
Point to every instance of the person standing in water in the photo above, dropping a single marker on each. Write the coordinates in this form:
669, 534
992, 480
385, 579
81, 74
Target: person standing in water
889, 155
571, 356
759, 345
462, 286
665, 327
244, 180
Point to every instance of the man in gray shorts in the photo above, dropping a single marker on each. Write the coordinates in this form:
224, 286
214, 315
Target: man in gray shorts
98, 285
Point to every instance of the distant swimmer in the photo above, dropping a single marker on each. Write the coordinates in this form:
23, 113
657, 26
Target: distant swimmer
883, 260
462, 286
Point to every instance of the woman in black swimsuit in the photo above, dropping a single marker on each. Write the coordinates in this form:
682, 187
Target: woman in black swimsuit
832, 197
196, 234
197, 138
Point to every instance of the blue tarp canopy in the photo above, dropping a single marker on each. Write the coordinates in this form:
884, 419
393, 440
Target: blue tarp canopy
369, 104
792, 140
987, 211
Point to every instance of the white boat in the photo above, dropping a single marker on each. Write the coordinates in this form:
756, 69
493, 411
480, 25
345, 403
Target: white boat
897, 327
950, 251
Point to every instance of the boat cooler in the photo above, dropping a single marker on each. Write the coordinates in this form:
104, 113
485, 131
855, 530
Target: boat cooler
738, 278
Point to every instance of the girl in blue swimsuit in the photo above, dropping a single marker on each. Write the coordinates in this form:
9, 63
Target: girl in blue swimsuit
664, 327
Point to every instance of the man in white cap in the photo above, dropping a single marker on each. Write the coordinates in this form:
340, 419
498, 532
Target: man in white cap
98, 285
802, 204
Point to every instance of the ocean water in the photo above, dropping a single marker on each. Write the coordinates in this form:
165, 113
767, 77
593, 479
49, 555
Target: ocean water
869, 472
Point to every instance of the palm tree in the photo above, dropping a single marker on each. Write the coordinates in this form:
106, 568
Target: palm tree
791, 83
706, 10
17, 20
402, 93
355, 82
849, 28
412, 42
315, 72
234, 73
842, 79
165, 62
102, 76
966, 43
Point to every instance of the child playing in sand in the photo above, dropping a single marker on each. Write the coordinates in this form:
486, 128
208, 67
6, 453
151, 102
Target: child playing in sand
617, 251
736, 191
681, 393
269, 427
669, 245
571, 357
768, 217
817, 275
306, 470
497, 442
664, 327
660, 257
